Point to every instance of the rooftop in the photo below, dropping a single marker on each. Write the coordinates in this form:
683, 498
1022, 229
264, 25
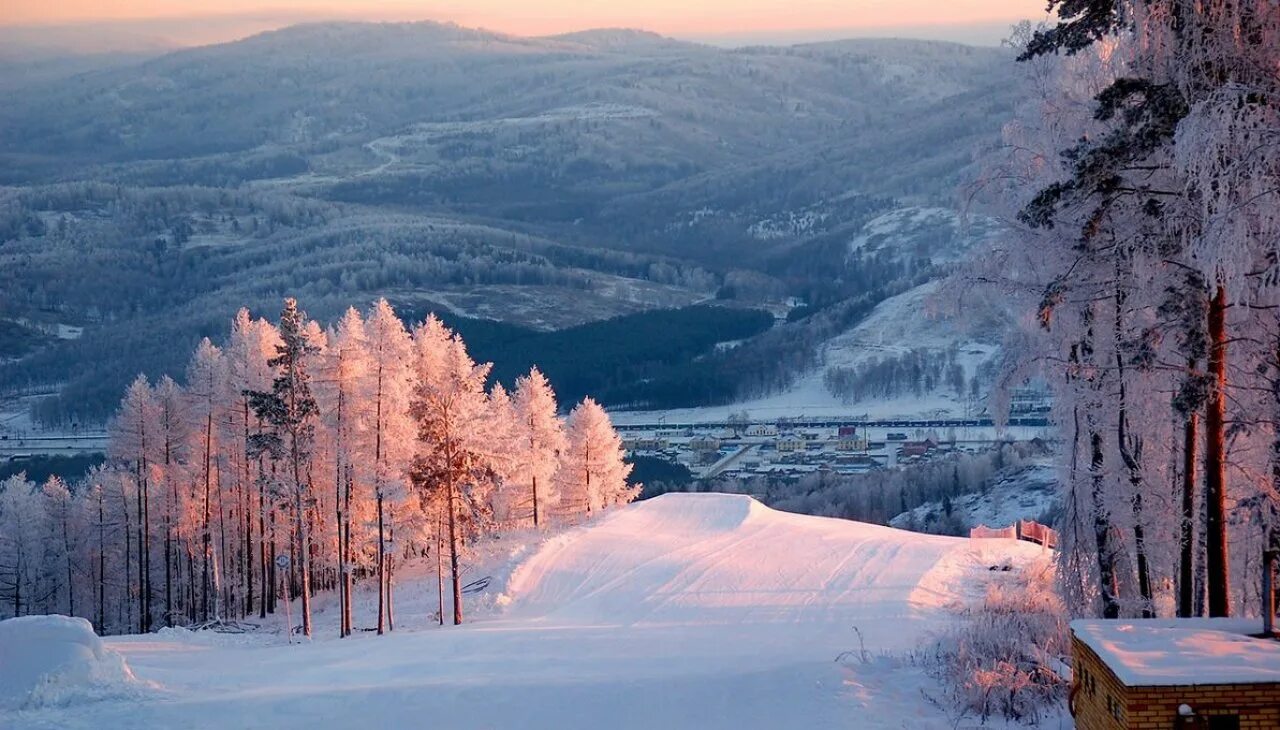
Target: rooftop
1197, 651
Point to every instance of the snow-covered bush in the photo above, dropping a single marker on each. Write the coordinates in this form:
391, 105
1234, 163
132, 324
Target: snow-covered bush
1003, 657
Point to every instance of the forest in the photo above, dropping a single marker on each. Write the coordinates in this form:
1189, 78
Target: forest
347, 450
1138, 183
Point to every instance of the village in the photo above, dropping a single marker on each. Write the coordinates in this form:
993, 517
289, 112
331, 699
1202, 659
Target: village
793, 447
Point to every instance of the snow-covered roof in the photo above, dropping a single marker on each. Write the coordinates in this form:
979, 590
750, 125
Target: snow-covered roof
1167, 652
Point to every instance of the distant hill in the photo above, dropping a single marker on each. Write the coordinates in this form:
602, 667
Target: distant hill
546, 182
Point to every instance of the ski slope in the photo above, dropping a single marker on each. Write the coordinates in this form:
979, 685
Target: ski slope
699, 611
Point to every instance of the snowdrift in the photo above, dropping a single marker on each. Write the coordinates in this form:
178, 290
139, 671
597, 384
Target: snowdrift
728, 559
57, 660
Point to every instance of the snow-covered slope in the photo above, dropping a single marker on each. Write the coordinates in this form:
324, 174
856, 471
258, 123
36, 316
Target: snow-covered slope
1026, 494
719, 559
685, 611
908, 322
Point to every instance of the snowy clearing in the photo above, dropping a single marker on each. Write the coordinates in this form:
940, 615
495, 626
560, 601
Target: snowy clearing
706, 610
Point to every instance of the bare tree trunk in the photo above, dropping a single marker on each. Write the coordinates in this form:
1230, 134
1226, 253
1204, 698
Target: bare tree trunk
265, 586
346, 537
102, 566
1131, 454
1102, 532
146, 557
338, 474
453, 554
128, 552
382, 576
206, 538
440, 566
1186, 559
246, 500
142, 600
1217, 566
391, 570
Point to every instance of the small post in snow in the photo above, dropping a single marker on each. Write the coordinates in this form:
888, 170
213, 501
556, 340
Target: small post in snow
282, 562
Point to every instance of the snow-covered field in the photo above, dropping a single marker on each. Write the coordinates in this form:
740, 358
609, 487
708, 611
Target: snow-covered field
688, 610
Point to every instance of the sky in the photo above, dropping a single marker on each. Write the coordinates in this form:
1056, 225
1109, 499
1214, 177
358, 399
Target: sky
728, 21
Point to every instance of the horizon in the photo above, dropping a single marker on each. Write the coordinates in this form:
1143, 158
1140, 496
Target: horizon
60, 30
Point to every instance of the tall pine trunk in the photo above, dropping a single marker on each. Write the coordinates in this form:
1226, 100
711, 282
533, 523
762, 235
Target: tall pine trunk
1186, 541
1102, 530
1131, 454
1218, 575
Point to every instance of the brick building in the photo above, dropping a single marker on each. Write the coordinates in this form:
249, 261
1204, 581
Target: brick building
1158, 674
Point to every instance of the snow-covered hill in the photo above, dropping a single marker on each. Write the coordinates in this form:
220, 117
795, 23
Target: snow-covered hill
697, 611
1025, 494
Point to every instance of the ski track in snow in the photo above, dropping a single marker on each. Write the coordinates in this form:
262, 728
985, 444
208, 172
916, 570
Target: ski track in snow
699, 611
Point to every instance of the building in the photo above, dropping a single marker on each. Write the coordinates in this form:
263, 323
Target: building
1150, 674
791, 444
851, 443
645, 444
916, 448
762, 429
705, 443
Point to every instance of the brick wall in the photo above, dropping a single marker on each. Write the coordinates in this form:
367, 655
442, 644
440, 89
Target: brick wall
1102, 702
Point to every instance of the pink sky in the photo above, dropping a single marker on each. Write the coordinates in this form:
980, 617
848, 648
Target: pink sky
533, 17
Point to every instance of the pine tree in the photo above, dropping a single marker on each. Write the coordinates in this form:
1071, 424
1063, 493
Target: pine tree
291, 410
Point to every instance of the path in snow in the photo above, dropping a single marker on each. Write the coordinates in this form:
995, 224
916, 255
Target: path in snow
706, 611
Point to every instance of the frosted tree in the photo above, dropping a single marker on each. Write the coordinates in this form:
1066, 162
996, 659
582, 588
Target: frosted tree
450, 409
291, 411
1169, 196
537, 444
133, 441
252, 345
23, 530
170, 433
206, 385
508, 499
592, 472
340, 392
62, 519
387, 395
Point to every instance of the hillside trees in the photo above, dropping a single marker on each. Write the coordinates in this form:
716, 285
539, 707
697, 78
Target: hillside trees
347, 449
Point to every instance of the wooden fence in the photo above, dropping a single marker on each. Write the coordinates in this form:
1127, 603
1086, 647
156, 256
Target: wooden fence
1028, 530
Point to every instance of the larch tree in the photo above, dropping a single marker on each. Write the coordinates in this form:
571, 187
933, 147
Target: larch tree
340, 392
450, 409
133, 441
249, 352
387, 394
206, 384
539, 439
592, 472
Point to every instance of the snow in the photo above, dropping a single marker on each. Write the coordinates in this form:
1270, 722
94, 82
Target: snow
1168, 652
57, 660
688, 610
